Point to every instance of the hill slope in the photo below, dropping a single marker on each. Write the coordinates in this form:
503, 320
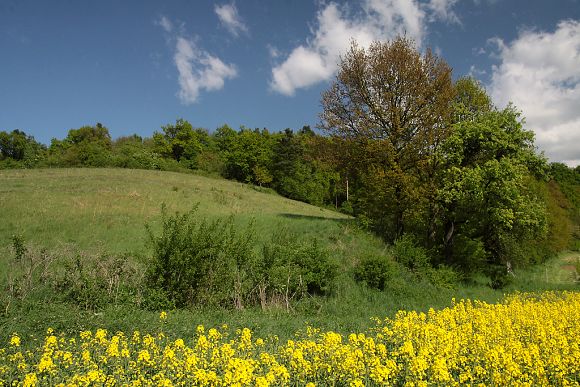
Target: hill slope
105, 210
94, 208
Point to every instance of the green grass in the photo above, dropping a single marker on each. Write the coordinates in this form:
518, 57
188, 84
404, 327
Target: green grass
105, 210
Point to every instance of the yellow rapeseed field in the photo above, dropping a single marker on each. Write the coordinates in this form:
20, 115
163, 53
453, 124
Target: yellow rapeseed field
525, 340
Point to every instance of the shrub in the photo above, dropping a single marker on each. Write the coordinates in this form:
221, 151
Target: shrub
201, 262
88, 281
95, 281
416, 259
376, 271
409, 254
291, 269
27, 273
499, 276
443, 276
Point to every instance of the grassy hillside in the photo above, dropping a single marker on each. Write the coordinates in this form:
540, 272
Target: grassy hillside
107, 208
93, 211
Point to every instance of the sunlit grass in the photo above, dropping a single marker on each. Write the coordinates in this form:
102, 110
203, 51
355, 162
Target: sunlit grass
107, 208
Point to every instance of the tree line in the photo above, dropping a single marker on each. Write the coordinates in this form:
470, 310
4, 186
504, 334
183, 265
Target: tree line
286, 161
407, 150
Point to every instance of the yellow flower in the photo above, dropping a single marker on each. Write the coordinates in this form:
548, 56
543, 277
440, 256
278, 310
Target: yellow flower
144, 356
163, 316
86, 335
524, 340
46, 364
15, 340
30, 380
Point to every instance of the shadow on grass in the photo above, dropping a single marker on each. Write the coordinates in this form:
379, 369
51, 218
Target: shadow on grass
314, 217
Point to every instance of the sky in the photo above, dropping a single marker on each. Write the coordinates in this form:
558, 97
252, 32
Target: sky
135, 66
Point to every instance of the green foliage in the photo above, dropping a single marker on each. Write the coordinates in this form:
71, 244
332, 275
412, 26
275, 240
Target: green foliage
291, 269
443, 276
499, 276
261, 175
250, 152
97, 214
568, 181
471, 100
88, 281
391, 108
376, 271
17, 149
197, 262
297, 174
18, 247
88, 146
485, 195
178, 141
211, 162
408, 253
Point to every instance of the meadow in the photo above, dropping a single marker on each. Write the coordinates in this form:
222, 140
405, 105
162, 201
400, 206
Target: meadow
469, 343
90, 215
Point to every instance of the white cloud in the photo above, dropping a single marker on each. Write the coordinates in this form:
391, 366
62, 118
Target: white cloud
229, 17
443, 9
476, 72
540, 73
198, 70
317, 59
165, 23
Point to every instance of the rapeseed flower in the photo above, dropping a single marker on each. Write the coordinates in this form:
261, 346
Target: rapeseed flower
525, 340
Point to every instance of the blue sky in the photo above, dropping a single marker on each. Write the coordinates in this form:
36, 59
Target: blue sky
137, 65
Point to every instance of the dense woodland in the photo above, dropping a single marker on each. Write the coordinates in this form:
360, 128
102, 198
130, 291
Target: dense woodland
414, 155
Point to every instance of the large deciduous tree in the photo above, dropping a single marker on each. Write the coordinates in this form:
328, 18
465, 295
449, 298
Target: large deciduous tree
489, 205
393, 106
88, 146
181, 142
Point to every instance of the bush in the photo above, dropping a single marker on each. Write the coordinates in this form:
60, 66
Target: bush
201, 262
88, 281
291, 269
26, 272
499, 276
93, 282
410, 255
443, 276
346, 208
376, 271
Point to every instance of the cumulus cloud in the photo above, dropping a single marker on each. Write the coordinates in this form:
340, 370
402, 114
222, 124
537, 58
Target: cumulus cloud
229, 17
540, 73
317, 59
198, 70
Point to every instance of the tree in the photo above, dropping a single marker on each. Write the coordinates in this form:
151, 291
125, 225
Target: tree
19, 146
297, 173
394, 106
489, 208
180, 141
97, 134
88, 146
245, 153
471, 100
